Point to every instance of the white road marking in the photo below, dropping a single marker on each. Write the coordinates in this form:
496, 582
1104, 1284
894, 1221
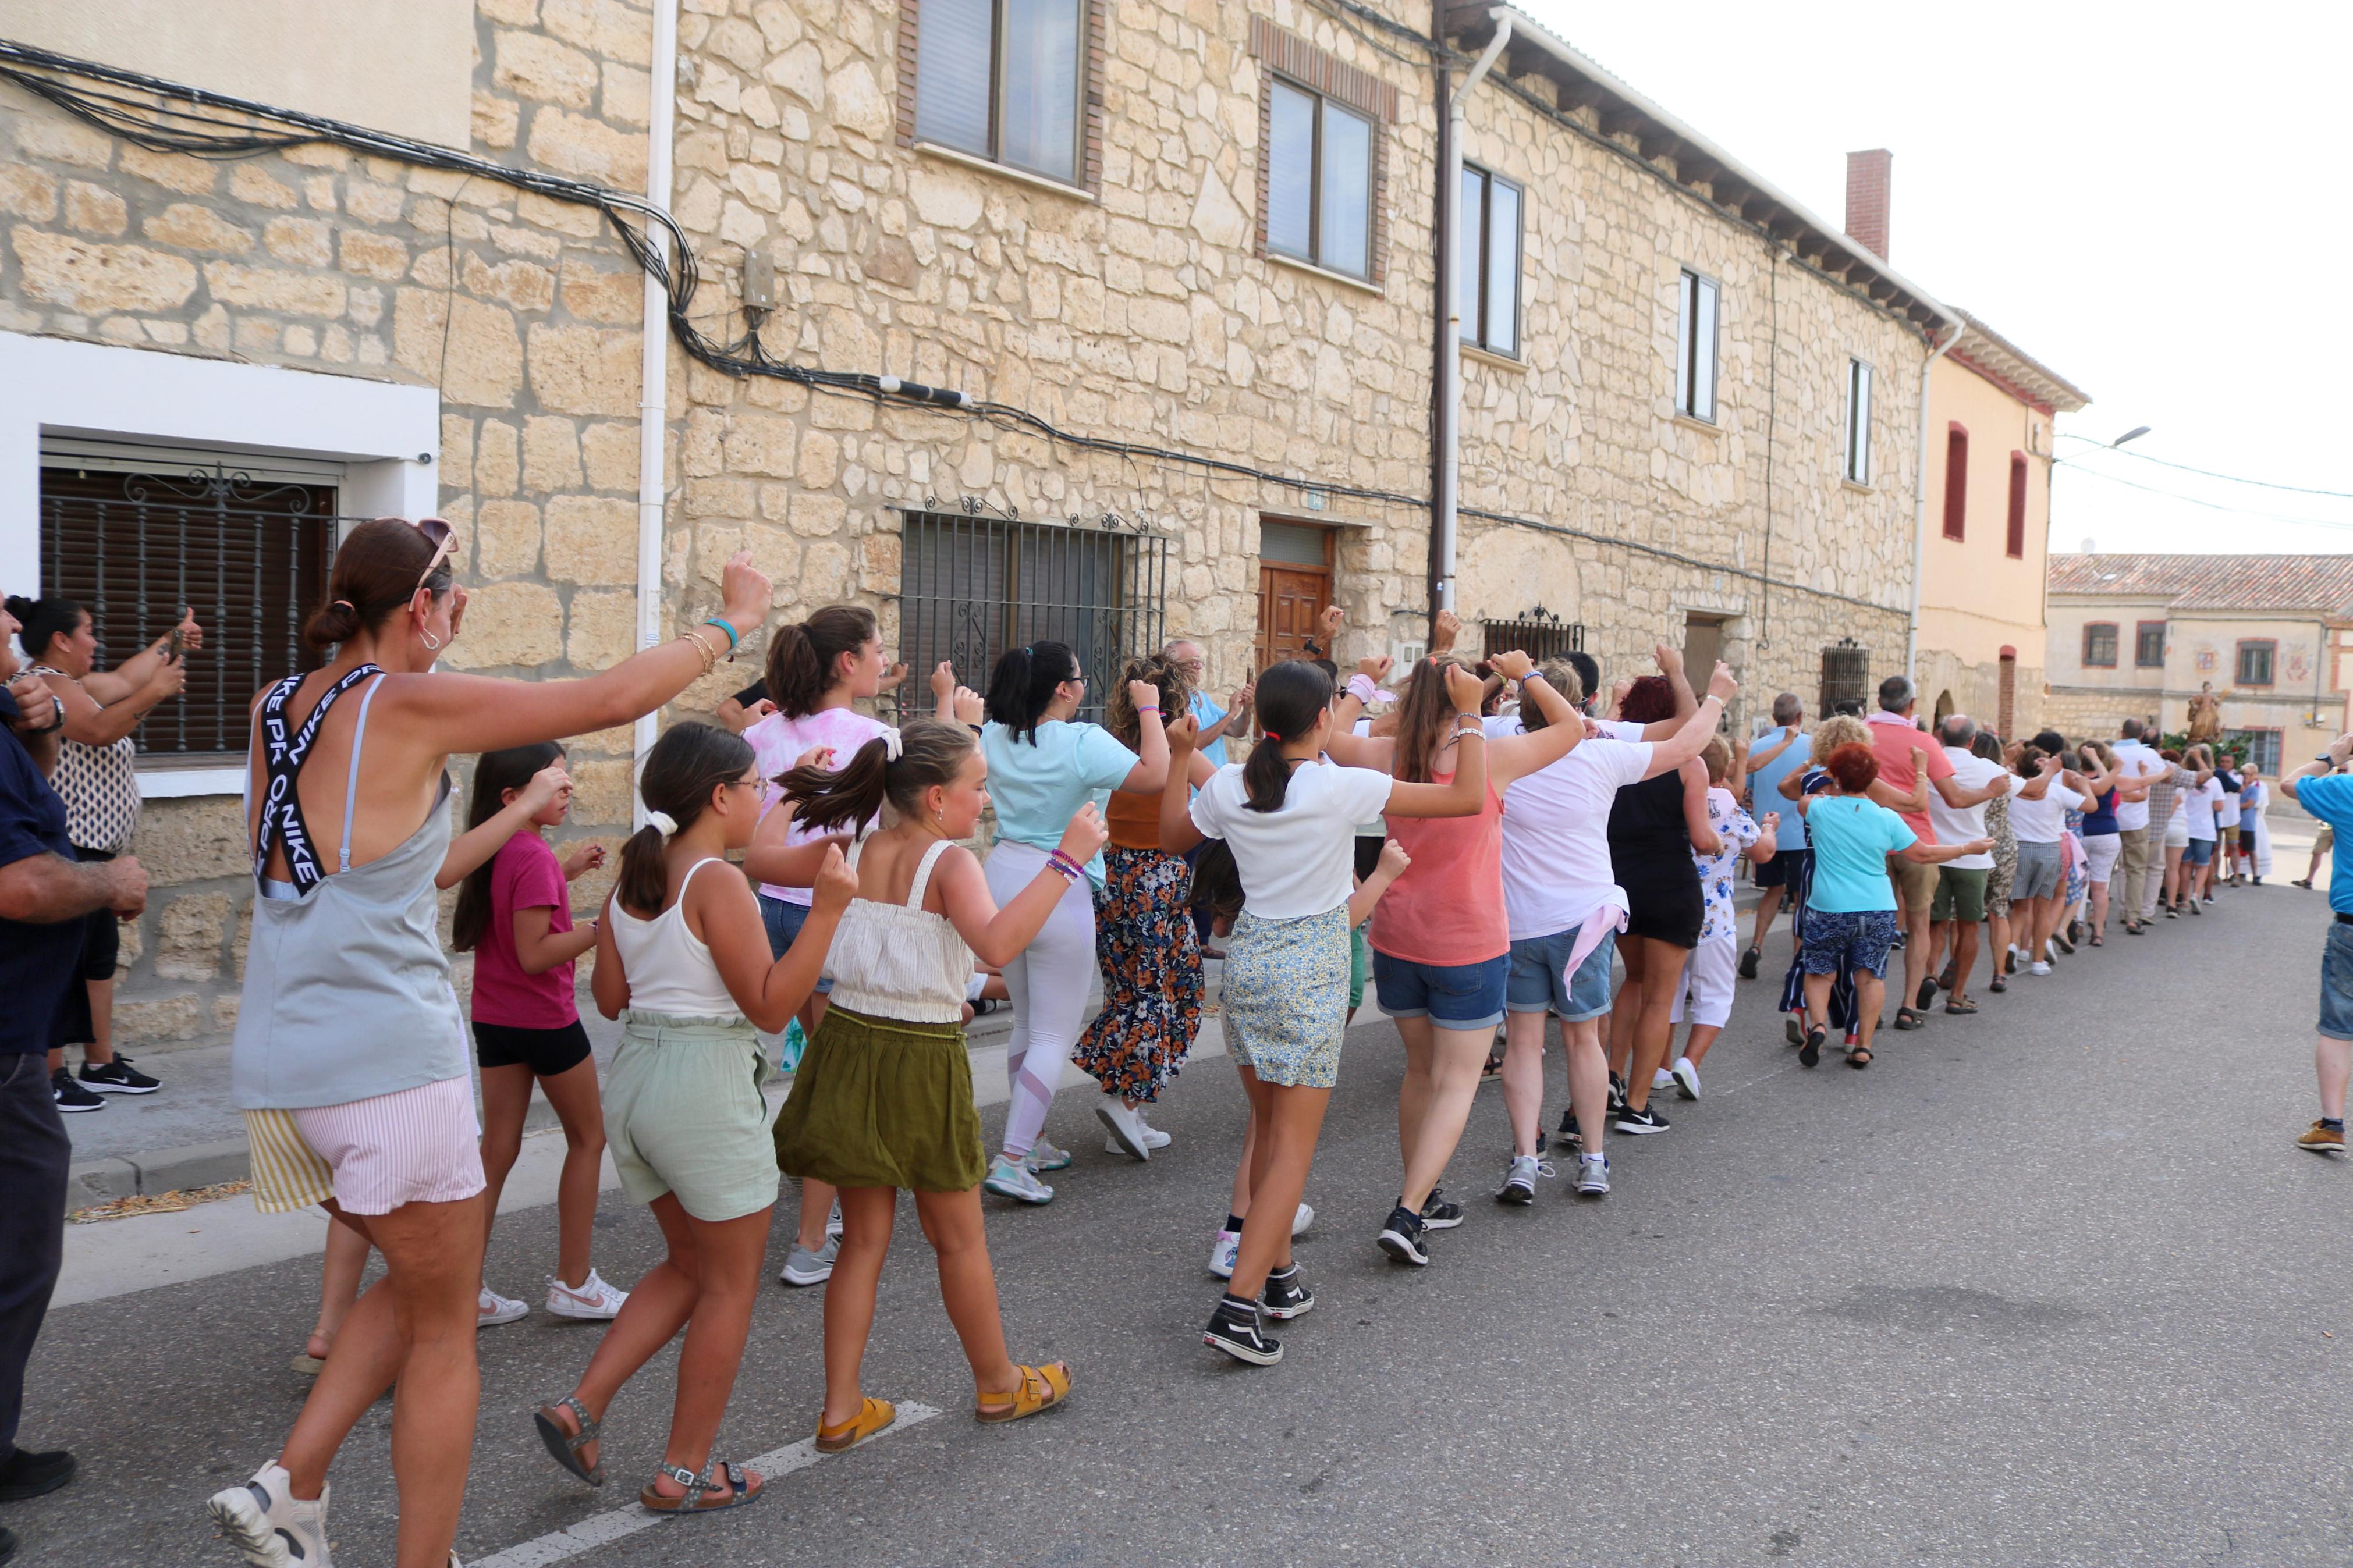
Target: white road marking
623, 1523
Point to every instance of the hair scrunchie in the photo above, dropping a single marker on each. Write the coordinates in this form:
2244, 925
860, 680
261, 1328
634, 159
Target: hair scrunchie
892, 745
663, 823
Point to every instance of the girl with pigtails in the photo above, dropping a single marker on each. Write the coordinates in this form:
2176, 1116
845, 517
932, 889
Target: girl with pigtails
883, 1098
1290, 816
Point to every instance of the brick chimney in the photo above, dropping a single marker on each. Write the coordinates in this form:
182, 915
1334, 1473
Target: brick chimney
1867, 197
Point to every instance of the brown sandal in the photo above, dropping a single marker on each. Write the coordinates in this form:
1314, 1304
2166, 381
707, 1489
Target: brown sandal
1039, 1388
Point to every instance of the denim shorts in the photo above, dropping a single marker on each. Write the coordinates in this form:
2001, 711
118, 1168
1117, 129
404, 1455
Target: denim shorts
783, 922
2198, 852
2337, 982
1540, 981
1452, 996
1844, 941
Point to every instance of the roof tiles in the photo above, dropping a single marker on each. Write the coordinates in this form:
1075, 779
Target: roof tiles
2316, 582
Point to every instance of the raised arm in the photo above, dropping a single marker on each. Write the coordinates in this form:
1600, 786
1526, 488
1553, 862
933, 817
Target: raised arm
1882, 792
97, 723
1760, 758
1343, 745
1688, 737
1513, 757
997, 936
1177, 834
1671, 665
1151, 770
1393, 862
475, 847
112, 685
1767, 845
723, 910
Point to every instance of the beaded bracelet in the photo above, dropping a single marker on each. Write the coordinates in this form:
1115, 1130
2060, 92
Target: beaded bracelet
1070, 869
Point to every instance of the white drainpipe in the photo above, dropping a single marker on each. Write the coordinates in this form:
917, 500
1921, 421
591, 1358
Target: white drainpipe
653, 398
1920, 502
1449, 395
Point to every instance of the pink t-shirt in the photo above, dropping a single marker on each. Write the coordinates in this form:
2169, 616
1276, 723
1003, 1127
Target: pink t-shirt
524, 875
778, 742
1447, 908
1903, 749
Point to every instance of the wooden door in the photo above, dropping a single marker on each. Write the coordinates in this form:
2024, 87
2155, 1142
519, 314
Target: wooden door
1289, 598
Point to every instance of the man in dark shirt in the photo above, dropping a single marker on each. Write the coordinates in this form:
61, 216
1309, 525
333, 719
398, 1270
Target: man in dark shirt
43, 893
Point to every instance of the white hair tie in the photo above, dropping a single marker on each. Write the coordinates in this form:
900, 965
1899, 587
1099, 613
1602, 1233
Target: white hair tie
663, 823
892, 744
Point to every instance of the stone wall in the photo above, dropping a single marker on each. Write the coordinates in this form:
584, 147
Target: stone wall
522, 310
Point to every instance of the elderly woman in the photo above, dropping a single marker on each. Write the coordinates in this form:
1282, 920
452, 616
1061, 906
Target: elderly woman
1838, 730
95, 777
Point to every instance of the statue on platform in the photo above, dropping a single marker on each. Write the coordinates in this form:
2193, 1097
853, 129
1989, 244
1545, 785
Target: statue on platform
2205, 715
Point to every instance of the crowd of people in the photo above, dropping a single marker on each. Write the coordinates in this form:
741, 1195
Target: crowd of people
1486, 844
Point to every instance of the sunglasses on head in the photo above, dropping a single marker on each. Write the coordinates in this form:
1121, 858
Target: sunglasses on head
444, 540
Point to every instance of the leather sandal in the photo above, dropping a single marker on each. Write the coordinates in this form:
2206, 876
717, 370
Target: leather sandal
1960, 1004
698, 1499
564, 1447
1908, 1018
873, 1417
1858, 1056
1039, 1388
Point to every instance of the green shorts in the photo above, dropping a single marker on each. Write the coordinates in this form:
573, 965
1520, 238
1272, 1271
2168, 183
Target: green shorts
1960, 894
684, 1115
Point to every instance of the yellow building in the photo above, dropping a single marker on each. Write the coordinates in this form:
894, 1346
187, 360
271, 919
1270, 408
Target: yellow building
2145, 636
1984, 532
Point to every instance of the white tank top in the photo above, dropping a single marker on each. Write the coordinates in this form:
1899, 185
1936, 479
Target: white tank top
668, 967
900, 961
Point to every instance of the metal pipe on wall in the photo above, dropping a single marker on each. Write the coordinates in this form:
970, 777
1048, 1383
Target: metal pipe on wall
653, 396
1449, 402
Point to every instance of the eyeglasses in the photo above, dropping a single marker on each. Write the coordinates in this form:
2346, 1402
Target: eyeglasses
444, 540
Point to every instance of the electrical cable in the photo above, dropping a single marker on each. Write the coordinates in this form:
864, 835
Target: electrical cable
2202, 473
160, 128
2208, 505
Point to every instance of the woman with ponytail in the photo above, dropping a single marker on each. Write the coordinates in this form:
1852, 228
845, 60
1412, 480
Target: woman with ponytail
1290, 816
349, 1058
682, 962
1043, 766
1145, 944
1441, 939
883, 1098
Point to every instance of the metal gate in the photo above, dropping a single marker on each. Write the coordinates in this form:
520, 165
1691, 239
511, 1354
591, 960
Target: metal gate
1846, 676
1541, 638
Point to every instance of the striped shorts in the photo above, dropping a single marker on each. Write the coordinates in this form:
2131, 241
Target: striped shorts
416, 1145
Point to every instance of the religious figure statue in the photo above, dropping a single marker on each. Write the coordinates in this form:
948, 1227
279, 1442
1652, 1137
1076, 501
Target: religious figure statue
2205, 715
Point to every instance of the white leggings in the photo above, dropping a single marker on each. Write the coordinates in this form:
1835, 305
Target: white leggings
1049, 982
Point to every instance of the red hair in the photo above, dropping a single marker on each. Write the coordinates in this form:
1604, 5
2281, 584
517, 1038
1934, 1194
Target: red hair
1854, 768
1647, 700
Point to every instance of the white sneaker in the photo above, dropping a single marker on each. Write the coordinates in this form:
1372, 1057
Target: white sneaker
1661, 1079
2039, 967
833, 1219
1014, 1179
1153, 1137
1222, 1251
594, 1300
1126, 1127
491, 1308
1302, 1219
272, 1527
1686, 1076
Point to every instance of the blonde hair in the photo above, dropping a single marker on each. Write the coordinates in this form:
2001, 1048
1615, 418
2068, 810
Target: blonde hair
1718, 755
1839, 729
1561, 676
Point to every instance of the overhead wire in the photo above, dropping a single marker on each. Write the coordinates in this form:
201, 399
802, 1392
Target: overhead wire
2202, 473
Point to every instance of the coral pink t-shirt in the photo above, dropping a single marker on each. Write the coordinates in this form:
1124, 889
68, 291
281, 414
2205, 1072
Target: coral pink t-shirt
1447, 908
524, 875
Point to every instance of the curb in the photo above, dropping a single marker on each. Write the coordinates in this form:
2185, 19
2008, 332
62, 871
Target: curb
92, 1181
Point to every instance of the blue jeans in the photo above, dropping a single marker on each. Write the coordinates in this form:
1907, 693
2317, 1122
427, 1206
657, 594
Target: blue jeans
1450, 995
2337, 982
783, 922
1540, 981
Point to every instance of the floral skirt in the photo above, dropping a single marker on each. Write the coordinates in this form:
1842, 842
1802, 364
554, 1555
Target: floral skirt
1151, 965
1287, 997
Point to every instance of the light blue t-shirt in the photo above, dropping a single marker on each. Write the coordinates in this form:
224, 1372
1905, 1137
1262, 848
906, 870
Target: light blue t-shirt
2330, 798
1037, 789
1206, 714
1853, 838
1765, 789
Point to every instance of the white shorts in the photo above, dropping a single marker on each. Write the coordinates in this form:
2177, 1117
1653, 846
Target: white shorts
2100, 852
1707, 981
373, 1155
2177, 833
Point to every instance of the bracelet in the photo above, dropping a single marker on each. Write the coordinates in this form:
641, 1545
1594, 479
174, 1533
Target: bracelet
977, 728
702, 646
1142, 711
731, 638
1058, 861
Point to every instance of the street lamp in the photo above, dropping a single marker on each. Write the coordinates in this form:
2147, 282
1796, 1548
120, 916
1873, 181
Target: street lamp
2135, 433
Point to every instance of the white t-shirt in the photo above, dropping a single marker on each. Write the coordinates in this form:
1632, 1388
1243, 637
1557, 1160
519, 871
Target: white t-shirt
1619, 730
2042, 821
2135, 760
1299, 860
1965, 825
2226, 809
2198, 803
778, 743
1555, 845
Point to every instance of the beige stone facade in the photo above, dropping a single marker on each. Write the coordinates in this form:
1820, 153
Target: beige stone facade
1137, 305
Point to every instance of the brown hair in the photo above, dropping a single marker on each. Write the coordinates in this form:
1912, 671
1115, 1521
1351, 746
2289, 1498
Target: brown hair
801, 657
374, 577
1120, 716
1718, 755
1854, 768
930, 753
1562, 677
686, 765
1425, 717
495, 773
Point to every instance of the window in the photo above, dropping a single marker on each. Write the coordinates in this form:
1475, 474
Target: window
1846, 677
1004, 80
249, 554
2100, 645
1695, 349
1487, 262
2014, 543
1319, 196
970, 587
1538, 635
1858, 421
2262, 746
1957, 482
2148, 645
2255, 661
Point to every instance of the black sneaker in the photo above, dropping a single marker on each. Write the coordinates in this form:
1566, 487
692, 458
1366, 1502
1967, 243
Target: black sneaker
1570, 1136
1287, 1296
1438, 1214
72, 1096
1617, 1094
1748, 961
118, 1077
1640, 1122
1401, 1237
30, 1475
1237, 1334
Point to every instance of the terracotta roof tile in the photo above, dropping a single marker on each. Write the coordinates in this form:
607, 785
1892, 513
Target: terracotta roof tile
2306, 582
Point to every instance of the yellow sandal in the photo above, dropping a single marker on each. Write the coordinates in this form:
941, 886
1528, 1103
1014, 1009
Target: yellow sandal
874, 1416
1040, 1388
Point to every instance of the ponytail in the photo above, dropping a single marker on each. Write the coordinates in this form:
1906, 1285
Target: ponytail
1023, 683
802, 658
929, 754
1291, 700
684, 767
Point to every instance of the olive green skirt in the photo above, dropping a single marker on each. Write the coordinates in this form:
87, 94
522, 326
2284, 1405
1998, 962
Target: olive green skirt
879, 1102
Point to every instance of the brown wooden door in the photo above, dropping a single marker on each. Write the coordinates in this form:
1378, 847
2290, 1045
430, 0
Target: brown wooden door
1289, 598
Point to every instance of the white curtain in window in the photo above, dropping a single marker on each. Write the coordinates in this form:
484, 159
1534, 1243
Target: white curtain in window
1469, 268
952, 51
1503, 268
1291, 170
1347, 190
1040, 105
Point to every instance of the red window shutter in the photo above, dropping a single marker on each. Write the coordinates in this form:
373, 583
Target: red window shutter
2016, 545
1957, 482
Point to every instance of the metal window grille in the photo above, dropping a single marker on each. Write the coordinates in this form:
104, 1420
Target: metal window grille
972, 586
1846, 675
251, 559
1538, 635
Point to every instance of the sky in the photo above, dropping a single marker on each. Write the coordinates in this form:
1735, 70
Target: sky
2139, 196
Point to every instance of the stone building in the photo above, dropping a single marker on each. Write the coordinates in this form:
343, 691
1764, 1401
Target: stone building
2142, 636
1152, 287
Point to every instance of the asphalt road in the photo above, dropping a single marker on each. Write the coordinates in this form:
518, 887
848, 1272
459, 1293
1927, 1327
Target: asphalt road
2045, 1286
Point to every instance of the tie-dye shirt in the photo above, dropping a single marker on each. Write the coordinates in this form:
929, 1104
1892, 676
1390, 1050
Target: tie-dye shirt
1738, 830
